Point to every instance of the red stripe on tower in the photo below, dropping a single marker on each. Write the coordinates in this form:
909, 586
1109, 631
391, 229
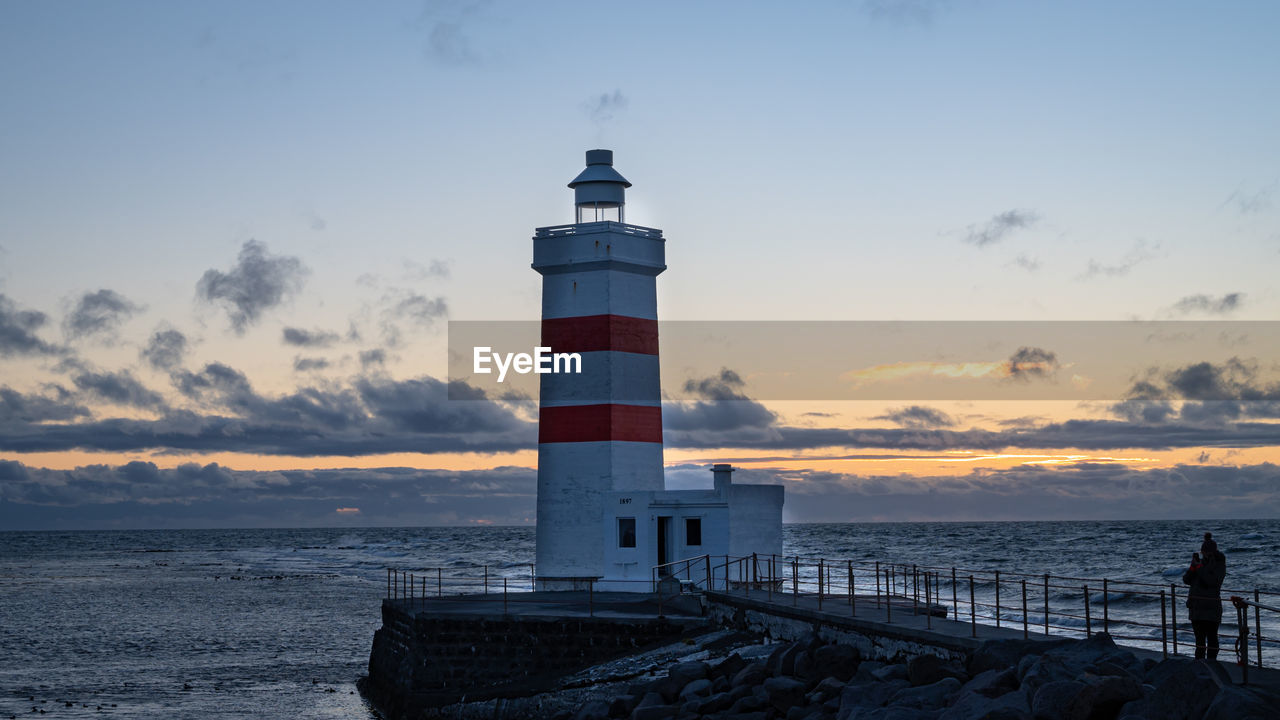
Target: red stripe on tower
600, 423
596, 333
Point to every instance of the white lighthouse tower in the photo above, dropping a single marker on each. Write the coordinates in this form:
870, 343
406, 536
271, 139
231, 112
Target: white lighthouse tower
603, 513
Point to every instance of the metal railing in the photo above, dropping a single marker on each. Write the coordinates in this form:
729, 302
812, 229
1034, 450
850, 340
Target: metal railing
1040, 604
576, 228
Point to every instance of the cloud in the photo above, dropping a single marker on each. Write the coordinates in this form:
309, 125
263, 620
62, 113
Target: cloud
141, 494
258, 282
418, 310
1032, 363
1027, 263
309, 338
918, 416
166, 349
18, 331
721, 407
1202, 392
1089, 491
1138, 254
447, 26
603, 108
119, 387
377, 356
1251, 203
57, 404
98, 313
1207, 304
418, 272
306, 364
999, 227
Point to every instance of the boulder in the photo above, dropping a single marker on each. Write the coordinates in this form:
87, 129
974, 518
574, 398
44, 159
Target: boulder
1001, 654
654, 712
749, 703
783, 661
717, 703
973, 706
934, 696
784, 692
992, 683
1243, 703
622, 706
1113, 691
1064, 700
827, 689
929, 669
866, 671
752, 675
650, 699
804, 666
869, 695
696, 689
687, 672
728, 667
1182, 689
897, 671
837, 660
594, 710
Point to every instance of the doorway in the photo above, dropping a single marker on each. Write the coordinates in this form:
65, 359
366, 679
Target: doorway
664, 544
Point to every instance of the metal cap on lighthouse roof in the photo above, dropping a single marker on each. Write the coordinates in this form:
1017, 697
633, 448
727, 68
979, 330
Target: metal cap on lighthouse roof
599, 182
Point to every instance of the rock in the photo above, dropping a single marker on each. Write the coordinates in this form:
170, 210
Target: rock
747, 704
720, 684
784, 692
929, 669
687, 672
1046, 669
838, 660
594, 710
1243, 703
668, 687
973, 706
827, 689
897, 671
753, 674
804, 666
654, 712
1183, 690
696, 689
993, 683
868, 695
783, 662
650, 699
622, 706
1113, 691
1001, 654
867, 671
728, 667
1064, 700
934, 696
717, 703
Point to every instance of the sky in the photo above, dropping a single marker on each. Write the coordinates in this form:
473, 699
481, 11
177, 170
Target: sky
233, 237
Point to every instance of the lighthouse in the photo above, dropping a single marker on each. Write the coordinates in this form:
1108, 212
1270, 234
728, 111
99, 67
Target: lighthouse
603, 514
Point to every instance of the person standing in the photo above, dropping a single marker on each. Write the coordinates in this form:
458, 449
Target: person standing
1204, 605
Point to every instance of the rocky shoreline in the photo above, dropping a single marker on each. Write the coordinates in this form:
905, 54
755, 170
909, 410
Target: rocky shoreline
816, 680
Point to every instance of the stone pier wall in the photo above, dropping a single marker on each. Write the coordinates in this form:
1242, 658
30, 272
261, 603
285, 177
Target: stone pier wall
425, 660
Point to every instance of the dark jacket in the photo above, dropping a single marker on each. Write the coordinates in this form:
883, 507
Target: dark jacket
1204, 581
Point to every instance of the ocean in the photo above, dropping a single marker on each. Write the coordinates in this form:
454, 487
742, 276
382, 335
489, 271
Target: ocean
278, 623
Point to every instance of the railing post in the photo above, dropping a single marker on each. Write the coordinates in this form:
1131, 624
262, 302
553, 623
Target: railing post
708, 578
1026, 627
997, 598
955, 599
1106, 608
1088, 621
504, 596
1173, 610
410, 593
486, 579
424, 592
1164, 643
533, 579
439, 582
928, 606
888, 597
820, 583
395, 585
1257, 624
388, 583
591, 597
747, 583
795, 580
877, 584
1046, 603
755, 568
915, 584
973, 611
852, 609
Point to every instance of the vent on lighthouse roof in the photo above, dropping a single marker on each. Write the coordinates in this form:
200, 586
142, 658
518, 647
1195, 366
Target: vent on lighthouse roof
599, 191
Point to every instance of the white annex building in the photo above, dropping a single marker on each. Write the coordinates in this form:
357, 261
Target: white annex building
604, 515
